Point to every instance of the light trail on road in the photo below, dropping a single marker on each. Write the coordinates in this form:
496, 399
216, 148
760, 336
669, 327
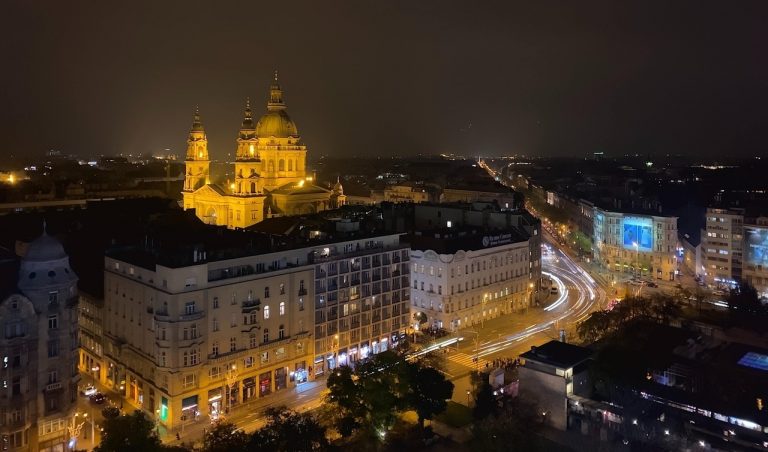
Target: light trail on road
578, 295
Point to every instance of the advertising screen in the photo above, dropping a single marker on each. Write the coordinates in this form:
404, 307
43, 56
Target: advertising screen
638, 230
757, 246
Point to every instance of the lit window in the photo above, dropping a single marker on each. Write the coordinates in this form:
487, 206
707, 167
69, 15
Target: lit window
282, 308
266, 312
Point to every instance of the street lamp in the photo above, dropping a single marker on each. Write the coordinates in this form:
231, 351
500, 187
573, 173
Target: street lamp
231, 376
74, 430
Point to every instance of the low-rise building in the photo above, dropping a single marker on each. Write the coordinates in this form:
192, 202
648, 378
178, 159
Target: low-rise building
551, 374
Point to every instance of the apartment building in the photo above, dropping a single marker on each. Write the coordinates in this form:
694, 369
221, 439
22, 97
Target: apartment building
722, 250
39, 350
463, 277
196, 330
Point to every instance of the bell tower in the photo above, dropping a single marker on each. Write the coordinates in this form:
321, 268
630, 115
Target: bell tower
197, 164
247, 161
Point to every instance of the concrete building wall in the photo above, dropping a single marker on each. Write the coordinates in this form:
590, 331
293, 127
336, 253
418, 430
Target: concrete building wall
548, 392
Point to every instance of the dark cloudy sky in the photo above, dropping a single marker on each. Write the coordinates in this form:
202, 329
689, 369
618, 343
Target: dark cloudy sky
389, 77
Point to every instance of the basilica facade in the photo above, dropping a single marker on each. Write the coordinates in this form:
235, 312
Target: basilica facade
270, 172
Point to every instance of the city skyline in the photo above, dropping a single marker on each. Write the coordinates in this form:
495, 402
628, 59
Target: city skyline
384, 79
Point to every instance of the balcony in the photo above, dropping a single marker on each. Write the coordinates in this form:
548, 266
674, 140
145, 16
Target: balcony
197, 315
57, 386
250, 305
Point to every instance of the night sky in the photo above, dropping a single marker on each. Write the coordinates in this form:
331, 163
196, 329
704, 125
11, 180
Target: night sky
366, 78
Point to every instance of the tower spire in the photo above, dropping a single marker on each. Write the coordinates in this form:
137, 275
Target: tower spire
248, 116
197, 125
275, 95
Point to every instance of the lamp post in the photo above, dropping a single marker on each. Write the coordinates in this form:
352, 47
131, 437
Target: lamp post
74, 430
231, 376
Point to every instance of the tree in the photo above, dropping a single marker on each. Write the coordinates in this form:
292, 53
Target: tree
485, 402
513, 428
429, 392
224, 437
129, 433
290, 431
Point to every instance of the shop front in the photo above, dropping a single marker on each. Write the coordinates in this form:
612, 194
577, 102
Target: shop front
249, 389
265, 384
189, 409
300, 375
215, 400
281, 378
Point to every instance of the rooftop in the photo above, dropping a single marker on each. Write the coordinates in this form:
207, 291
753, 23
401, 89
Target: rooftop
558, 354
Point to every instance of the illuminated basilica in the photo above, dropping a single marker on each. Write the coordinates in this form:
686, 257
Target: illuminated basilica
270, 172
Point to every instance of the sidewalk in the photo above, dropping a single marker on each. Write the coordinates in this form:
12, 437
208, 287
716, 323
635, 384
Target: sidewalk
248, 416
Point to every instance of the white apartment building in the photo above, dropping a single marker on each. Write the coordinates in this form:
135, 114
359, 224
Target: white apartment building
462, 278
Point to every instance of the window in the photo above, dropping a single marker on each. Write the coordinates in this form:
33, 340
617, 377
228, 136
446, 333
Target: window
233, 321
53, 377
215, 324
16, 386
232, 344
266, 335
248, 361
193, 355
189, 307
53, 322
163, 359
282, 289
264, 357
185, 359
301, 304
53, 348
188, 381
281, 332
215, 302
53, 297
214, 372
215, 349
282, 308
266, 311
266, 292
301, 285
193, 331
252, 342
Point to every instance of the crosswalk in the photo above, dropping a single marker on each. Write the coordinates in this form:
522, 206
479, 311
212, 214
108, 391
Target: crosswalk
467, 360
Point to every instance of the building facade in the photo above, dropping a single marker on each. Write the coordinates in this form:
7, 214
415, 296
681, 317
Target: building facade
39, 353
722, 242
270, 174
462, 279
641, 245
202, 337
362, 299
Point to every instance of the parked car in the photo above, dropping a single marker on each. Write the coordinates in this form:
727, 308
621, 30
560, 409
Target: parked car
98, 398
89, 390
652, 284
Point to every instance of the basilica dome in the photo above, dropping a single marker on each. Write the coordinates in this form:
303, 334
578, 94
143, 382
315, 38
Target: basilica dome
276, 123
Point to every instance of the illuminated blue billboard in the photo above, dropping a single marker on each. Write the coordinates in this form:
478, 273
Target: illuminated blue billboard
637, 230
757, 245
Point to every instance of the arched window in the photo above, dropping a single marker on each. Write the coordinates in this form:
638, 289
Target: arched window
281, 165
253, 187
290, 165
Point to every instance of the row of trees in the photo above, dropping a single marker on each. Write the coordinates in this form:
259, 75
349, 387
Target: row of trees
367, 400
285, 430
658, 307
